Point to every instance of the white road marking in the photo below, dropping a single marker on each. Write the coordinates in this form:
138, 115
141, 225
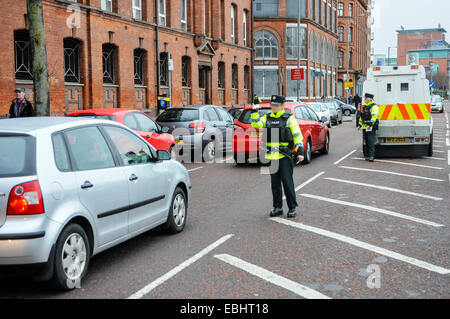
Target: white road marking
337, 162
370, 247
179, 268
447, 141
374, 209
195, 169
436, 158
229, 159
272, 277
448, 157
390, 189
401, 163
307, 182
391, 173
436, 152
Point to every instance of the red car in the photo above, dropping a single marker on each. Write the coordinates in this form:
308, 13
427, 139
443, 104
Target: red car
246, 139
136, 120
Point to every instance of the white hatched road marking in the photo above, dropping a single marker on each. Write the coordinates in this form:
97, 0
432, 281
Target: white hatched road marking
401, 163
390, 189
272, 277
370, 247
392, 173
307, 182
343, 158
179, 268
374, 209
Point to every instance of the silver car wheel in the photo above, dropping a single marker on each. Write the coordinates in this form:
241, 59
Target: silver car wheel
179, 210
74, 256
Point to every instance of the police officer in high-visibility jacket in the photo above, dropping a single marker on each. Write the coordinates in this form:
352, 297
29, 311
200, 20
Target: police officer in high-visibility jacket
368, 122
283, 139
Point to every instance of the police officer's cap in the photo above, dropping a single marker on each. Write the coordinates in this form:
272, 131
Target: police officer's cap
368, 95
277, 100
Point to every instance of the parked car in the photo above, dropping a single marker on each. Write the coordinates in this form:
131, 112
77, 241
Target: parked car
71, 188
347, 109
436, 103
335, 112
321, 110
136, 120
199, 128
247, 140
235, 111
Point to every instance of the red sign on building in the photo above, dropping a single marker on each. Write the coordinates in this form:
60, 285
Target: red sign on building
297, 74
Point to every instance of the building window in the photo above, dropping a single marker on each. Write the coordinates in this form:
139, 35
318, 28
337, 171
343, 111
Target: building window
163, 69
139, 59
317, 11
334, 20
341, 33
162, 12
329, 17
221, 75
322, 10
244, 27
265, 8
311, 47
292, 42
185, 67
109, 52
350, 34
246, 77
234, 76
233, 24
107, 5
266, 82
350, 9
184, 15
22, 55
266, 45
72, 60
137, 9
311, 9
341, 59
202, 77
324, 51
292, 8
340, 9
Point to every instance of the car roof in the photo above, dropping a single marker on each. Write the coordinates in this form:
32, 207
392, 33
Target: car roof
191, 107
286, 105
103, 111
31, 125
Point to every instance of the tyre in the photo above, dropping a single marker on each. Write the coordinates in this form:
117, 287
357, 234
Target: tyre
430, 146
177, 213
72, 256
209, 152
442, 110
347, 113
326, 148
340, 122
307, 158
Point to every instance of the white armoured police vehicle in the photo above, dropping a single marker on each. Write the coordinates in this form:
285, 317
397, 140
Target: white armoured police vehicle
405, 123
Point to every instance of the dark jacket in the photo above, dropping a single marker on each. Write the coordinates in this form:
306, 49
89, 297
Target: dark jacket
26, 109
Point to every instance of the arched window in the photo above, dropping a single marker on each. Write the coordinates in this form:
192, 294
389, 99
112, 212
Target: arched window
266, 45
109, 63
139, 66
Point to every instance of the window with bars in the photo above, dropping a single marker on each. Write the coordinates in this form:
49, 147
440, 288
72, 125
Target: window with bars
266, 45
139, 62
108, 53
72, 60
185, 67
137, 9
22, 55
163, 69
234, 76
221, 75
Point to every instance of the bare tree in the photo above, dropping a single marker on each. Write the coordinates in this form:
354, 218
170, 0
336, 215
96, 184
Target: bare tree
441, 80
41, 86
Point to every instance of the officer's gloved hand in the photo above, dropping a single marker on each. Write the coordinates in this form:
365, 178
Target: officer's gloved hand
255, 109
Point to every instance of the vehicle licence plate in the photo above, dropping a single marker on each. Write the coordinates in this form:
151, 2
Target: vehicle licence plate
179, 142
255, 134
396, 140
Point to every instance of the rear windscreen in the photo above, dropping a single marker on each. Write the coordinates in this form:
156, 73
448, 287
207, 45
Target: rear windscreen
178, 115
245, 117
100, 117
17, 156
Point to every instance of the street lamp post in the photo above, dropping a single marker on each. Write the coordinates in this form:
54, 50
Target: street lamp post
299, 47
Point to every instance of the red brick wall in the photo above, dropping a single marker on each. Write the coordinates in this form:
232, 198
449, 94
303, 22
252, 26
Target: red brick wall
406, 42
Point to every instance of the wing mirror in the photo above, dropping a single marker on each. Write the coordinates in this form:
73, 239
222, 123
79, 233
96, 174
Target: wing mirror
165, 129
323, 119
163, 155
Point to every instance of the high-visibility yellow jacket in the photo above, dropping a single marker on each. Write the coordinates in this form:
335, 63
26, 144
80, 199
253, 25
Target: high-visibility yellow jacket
374, 113
260, 123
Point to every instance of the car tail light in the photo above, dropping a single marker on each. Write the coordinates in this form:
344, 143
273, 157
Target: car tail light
377, 68
414, 67
26, 199
198, 126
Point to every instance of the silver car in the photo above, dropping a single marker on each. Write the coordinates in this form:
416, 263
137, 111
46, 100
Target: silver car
71, 188
321, 110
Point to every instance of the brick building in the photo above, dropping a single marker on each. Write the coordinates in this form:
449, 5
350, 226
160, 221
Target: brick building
105, 53
354, 36
276, 43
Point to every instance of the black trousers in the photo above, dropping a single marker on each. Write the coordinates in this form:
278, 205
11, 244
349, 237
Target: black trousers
370, 138
283, 176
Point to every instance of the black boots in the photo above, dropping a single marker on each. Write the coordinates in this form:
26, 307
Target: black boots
292, 213
276, 212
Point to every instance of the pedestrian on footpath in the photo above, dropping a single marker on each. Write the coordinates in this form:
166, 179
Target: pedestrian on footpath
20, 106
256, 99
283, 140
369, 124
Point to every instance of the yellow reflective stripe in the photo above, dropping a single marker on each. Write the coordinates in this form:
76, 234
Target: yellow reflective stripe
396, 114
425, 113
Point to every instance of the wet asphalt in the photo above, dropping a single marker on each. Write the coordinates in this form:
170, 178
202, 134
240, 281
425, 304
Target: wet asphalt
353, 240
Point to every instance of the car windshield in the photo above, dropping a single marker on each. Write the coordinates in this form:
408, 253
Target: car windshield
315, 107
178, 115
95, 116
17, 156
235, 112
436, 99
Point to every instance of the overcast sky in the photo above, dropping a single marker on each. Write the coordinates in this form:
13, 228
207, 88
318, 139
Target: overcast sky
412, 14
